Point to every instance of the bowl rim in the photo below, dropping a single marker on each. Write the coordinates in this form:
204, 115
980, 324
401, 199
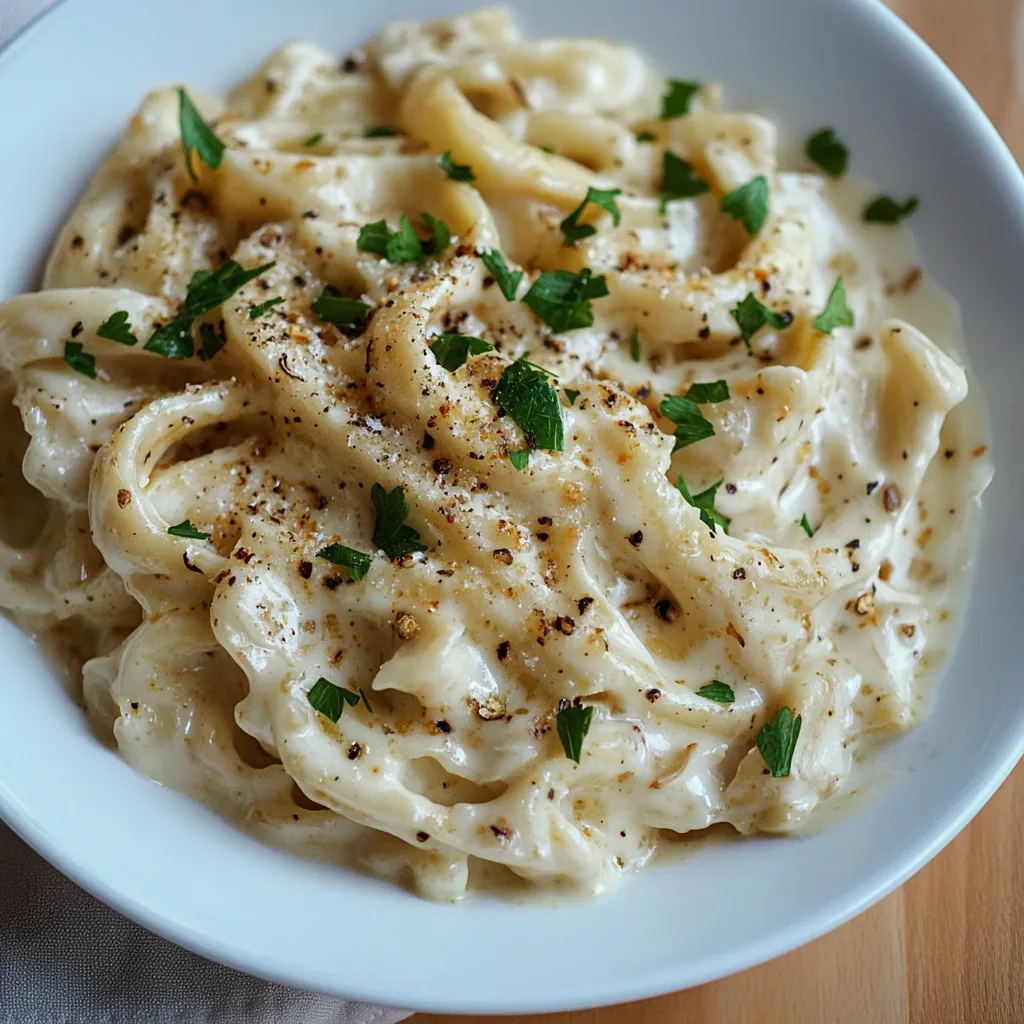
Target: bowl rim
976, 128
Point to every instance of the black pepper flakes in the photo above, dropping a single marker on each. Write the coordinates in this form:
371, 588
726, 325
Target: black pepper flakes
636, 539
739, 574
428, 442
354, 751
503, 650
653, 694
667, 610
442, 726
422, 837
305, 569
502, 555
583, 604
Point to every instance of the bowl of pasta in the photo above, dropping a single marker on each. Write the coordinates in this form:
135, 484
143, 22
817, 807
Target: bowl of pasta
514, 475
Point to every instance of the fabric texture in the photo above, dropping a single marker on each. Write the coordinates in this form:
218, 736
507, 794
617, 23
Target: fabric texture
65, 958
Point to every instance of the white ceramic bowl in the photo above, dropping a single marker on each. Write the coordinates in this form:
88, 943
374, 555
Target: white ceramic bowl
67, 87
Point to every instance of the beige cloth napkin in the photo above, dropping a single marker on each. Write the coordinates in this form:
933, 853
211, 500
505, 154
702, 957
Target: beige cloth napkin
65, 958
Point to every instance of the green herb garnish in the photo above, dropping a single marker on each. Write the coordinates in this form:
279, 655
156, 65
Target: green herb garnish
403, 245
705, 503
330, 700
748, 203
562, 299
197, 136
836, 312
524, 392
571, 395
380, 131
356, 562
645, 136
573, 231
452, 350
634, 345
457, 172
508, 281
717, 690
313, 139
78, 359
709, 392
825, 150
338, 309
676, 101
806, 526
777, 741
751, 315
679, 180
264, 307
691, 426
186, 529
390, 533
211, 341
885, 210
520, 458
117, 328
573, 723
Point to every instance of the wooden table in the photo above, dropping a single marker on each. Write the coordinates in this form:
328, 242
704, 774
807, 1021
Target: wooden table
947, 948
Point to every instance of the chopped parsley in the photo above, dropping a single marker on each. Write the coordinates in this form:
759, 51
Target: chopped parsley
524, 392
705, 503
573, 723
751, 315
646, 136
380, 131
836, 312
520, 458
825, 150
571, 395
777, 741
330, 700
206, 291
356, 562
691, 426
264, 307
717, 690
211, 341
197, 136
313, 139
404, 245
338, 309
508, 281
390, 533
885, 210
676, 101
748, 203
806, 526
679, 180
709, 393
457, 172
634, 345
573, 230
78, 359
186, 529
562, 299
452, 350
117, 328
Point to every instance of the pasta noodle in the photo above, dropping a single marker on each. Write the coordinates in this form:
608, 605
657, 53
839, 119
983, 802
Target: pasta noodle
598, 597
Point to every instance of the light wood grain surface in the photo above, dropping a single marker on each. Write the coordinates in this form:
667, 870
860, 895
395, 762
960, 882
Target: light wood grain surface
947, 948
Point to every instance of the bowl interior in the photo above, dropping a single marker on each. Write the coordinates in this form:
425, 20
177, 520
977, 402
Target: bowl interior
185, 873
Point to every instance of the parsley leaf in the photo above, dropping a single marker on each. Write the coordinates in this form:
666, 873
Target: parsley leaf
313, 139
709, 393
508, 281
525, 394
573, 230
634, 345
571, 395
390, 533
520, 458
380, 131
439, 232
338, 309
117, 328
691, 426
457, 172
885, 210
825, 150
836, 312
717, 690
186, 529
751, 315
212, 341
356, 562
748, 203
264, 307
206, 291
645, 136
403, 245
452, 350
561, 298
374, 237
78, 359
705, 502
330, 700
679, 180
573, 723
777, 741
806, 526
197, 136
676, 101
